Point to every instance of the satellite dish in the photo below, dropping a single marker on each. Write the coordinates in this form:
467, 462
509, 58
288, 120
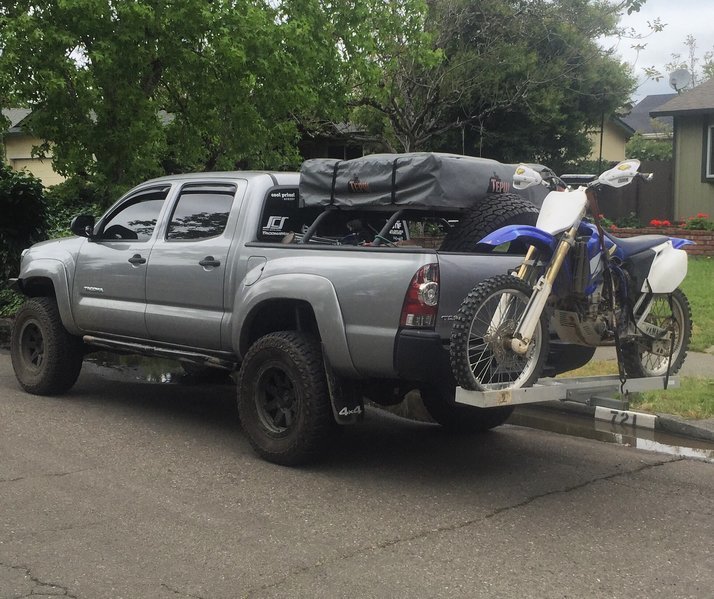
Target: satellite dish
679, 79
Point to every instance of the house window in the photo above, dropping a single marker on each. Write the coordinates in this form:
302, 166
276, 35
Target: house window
709, 165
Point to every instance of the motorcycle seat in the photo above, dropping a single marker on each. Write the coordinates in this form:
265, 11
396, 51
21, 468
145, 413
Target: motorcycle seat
634, 245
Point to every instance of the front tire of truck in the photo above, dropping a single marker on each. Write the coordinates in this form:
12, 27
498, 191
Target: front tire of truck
439, 402
45, 357
283, 399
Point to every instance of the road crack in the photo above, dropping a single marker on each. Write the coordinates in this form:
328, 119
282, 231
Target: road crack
457, 526
47, 475
41, 587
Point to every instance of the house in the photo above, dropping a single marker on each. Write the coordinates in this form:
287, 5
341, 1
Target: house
17, 146
640, 120
693, 113
608, 141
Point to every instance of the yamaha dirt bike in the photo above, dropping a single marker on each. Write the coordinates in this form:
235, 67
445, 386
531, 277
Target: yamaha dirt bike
579, 282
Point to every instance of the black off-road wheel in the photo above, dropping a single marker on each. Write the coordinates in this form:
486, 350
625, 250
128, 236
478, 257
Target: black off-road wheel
283, 399
45, 357
481, 354
645, 358
494, 212
439, 402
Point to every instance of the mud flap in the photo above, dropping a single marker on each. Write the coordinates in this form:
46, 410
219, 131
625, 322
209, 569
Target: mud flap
347, 404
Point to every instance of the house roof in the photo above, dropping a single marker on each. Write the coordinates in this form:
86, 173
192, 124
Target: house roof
639, 118
698, 100
622, 124
15, 116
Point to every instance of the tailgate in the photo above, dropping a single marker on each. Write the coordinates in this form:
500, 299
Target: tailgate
458, 274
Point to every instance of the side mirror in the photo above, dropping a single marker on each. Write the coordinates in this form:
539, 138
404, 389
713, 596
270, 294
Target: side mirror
526, 177
82, 225
621, 174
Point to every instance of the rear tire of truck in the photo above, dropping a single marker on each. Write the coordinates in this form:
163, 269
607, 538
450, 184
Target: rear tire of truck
283, 399
46, 358
494, 212
439, 403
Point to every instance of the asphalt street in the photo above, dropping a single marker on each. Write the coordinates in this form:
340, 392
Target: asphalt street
144, 490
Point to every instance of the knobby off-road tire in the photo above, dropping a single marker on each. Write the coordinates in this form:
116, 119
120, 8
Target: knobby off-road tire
283, 399
639, 360
45, 357
494, 212
481, 356
439, 402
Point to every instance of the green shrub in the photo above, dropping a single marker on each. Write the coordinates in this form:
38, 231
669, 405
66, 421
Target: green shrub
10, 302
68, 199
700, 222
628, 222
23, 210
648, 149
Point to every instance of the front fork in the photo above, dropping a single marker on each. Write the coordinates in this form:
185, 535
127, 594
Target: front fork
523, 334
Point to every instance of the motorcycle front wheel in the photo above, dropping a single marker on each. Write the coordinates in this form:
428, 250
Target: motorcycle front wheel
647, 356
481, 354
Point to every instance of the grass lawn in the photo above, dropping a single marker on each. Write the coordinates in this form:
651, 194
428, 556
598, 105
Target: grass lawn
693, 399
699, 289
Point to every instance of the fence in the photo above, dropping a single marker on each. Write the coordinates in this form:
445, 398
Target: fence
648, 201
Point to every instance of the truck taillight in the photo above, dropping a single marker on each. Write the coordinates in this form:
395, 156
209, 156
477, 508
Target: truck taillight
422, 299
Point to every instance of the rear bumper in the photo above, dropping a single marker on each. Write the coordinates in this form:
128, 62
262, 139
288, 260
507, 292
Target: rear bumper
422, 356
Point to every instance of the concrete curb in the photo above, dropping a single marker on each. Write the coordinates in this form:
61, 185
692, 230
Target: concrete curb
703, 431
686, 428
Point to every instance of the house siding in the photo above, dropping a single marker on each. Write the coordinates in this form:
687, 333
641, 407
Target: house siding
692, 195
613, 143
18, 154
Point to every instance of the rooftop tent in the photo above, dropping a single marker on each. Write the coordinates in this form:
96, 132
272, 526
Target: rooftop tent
422, 180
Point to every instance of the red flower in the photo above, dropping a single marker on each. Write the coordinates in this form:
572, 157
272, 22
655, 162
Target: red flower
702, 215
666, 223
613, 227
656, 223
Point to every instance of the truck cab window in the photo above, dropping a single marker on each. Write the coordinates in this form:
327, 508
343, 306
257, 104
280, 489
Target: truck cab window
201, 212
136, 219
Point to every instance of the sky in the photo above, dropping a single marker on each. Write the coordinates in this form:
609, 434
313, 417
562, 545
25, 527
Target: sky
682, 17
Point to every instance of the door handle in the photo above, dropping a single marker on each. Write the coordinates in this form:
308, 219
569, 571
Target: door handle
209, 261
137, 259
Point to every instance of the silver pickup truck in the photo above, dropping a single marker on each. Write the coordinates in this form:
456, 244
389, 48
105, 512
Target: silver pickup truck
315, 308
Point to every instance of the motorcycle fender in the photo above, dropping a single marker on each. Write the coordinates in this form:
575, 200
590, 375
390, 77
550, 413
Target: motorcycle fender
679, 242
668, 269
531, 235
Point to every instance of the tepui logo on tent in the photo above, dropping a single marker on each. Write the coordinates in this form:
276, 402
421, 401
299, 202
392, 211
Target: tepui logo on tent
357, 186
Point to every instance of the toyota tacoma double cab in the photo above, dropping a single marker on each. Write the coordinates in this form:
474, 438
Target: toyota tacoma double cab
310, 285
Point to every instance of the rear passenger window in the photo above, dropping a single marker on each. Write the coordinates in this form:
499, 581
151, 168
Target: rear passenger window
201, 212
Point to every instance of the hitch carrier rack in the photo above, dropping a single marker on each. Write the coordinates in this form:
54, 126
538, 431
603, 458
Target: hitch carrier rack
590, 390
